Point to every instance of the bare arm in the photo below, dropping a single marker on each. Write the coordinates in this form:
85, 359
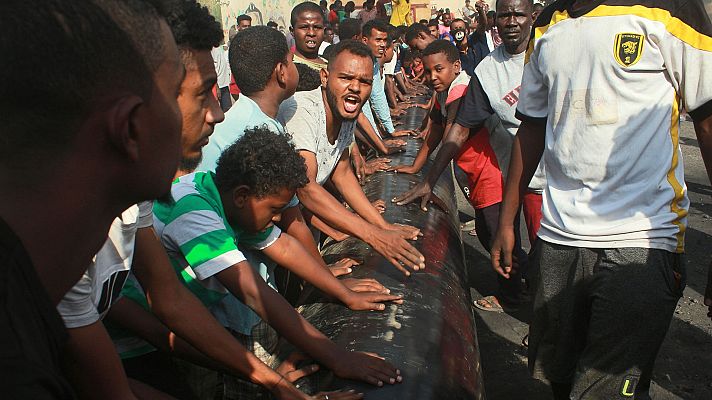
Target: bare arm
370, 135
455, 137
527, 149
185, 315
432, 140
345, 181
92, 365
243, 282
388, 243
131, 316
287, 252
293, 223
482, 9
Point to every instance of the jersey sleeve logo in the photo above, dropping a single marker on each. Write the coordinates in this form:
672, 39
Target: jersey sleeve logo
628, 48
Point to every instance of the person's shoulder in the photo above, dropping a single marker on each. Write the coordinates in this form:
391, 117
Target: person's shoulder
195, 190
692, 13
489, 60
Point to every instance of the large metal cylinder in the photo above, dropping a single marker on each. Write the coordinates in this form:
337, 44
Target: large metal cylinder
431, 336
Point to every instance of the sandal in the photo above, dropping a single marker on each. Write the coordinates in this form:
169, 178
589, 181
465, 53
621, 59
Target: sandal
489, 303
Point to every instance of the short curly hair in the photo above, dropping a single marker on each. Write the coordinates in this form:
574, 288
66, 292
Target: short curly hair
192, 25
264, 161
309, 79
254, 53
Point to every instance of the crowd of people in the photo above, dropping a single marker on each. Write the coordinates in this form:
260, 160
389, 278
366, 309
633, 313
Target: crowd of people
160, 181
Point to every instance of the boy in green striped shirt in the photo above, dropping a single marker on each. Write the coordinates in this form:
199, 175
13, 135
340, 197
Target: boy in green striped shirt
212, 215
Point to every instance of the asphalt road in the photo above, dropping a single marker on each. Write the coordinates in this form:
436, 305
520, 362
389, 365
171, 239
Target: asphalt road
684, 365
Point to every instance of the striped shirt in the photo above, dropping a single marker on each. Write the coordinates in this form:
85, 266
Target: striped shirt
609, 78
198, 238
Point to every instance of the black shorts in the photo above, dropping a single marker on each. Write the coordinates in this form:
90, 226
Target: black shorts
600, 316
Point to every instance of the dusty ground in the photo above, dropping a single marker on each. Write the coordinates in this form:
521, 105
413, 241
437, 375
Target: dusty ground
684, 365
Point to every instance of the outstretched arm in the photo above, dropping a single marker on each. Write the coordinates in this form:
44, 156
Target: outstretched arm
185, 315
455, 137
527, 149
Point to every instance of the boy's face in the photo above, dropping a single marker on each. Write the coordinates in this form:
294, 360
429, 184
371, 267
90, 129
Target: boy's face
308, 32
199, 107
433, 30
439, 71
388, 55
257, 214
421, 41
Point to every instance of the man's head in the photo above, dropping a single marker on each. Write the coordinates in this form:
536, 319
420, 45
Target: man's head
257, 177
348, 79
243, 22
434, 28
447, 18
349, 7
368, 5
514, 23
459, 30
374, 34
273, 25
323, 5
423, 22
441, 62
117, 107
329, 34
307, 27
260, 60
350, 29
196, 32
417, 37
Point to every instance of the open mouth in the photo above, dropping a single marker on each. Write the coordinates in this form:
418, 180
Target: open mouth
311, 43
351, 103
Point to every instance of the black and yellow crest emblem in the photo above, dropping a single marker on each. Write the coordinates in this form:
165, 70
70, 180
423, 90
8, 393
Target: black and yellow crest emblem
628, 48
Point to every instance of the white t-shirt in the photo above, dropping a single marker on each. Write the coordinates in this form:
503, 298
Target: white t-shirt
323, 47
222, 66
304, 117
389, 68
609, 81
89, 299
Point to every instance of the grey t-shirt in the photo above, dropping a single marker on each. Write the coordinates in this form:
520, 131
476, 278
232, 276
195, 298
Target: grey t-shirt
495, 90
304, 117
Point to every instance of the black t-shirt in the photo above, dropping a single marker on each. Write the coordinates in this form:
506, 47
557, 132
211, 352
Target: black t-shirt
32, 335
475, 107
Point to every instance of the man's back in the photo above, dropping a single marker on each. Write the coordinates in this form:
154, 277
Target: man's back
613, 107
